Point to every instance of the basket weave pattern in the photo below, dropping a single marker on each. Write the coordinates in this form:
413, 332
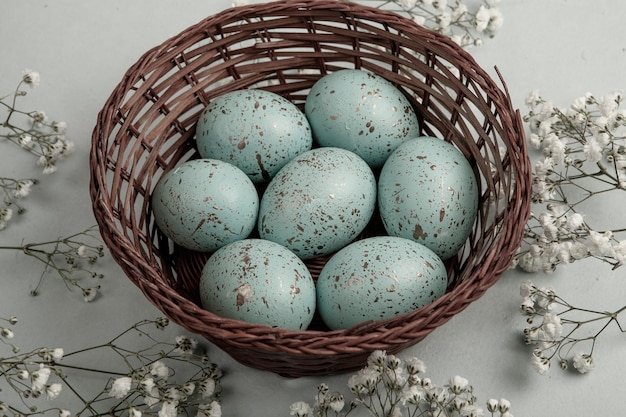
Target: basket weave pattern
147, 127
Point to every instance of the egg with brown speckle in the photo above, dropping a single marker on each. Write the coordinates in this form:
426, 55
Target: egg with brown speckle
428, 192
319, 202
261, 282
362, 112
378, 278
203, 204
256, 130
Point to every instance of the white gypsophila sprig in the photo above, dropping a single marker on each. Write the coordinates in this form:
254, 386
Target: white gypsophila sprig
149, 386
388, 386
13, 190
465, 23
583, 156
32, 131
72, 258
557, 327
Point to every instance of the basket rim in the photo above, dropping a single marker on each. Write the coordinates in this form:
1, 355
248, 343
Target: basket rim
136, 267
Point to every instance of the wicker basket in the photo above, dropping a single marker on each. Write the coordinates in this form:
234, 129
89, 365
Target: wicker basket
147, 126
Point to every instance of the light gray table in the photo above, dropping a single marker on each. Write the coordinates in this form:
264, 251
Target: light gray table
563, 48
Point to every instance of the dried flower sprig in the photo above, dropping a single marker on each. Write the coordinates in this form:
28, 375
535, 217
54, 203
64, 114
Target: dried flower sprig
71, 257
562, 327
31, 130
583, 157
142, 380
452, 18
14, 190
390, 387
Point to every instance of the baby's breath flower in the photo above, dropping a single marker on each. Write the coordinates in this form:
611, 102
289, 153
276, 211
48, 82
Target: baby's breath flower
415, 366
541, 364
458, 384
7, 333
185, 345
300, 409
550, 338
39, 378
53, 390
31, 77
583, 362
120, 387
207, 387
159, 369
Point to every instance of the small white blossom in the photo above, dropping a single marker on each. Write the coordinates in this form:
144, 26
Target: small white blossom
504, 405
53, 390
120, 387
31, 77
300, 409
599, 244
407, 4
414, 366
39, 378
552, 326
159, 369
593, 150
168, 409
458, 384
583, 362
64, 413
89, 294
540, 364
483, 16
210, 410
207, 387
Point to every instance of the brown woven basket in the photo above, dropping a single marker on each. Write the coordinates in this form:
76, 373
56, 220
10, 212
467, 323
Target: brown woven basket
147, 127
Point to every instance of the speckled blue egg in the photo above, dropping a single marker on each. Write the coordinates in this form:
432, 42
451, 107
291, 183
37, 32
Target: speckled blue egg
261, 282
361, 112
203, 204
378, 278
427, 191
255, 130
319, 202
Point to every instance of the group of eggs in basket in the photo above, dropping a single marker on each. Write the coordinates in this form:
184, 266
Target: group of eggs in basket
276, 186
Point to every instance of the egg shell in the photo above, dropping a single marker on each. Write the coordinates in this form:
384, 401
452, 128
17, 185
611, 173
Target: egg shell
261, 282
319, 202
203, 204
361, 112
427, 191
256, 130
378, 278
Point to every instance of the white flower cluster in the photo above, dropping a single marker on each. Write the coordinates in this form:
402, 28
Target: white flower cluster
41, 137
556, 335
583, 154
150, 388
153, 386
14, 190
388, 386
450, 17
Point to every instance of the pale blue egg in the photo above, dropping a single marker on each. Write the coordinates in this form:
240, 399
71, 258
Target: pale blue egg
361, 112
255, 130
203, 204
378, 278
428, 192
261, 282
319, 202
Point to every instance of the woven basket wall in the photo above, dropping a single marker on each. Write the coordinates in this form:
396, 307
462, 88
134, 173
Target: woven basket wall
147, 126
